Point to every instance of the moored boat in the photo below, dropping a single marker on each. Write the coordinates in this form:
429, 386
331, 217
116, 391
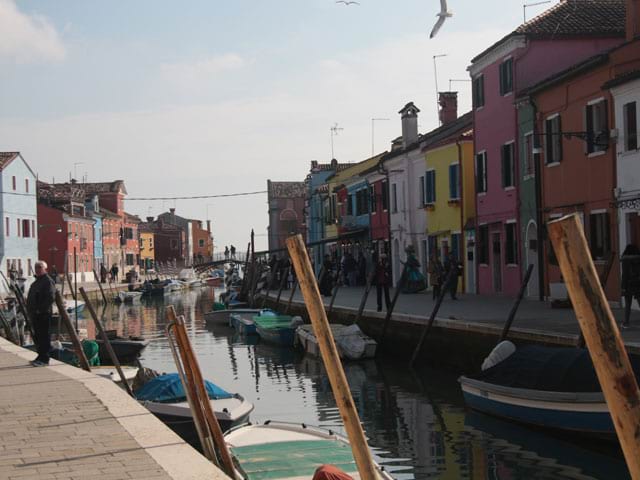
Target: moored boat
550, 387
277, 329
223, 316
164, 397
126, 349
242, 320
128, 297
288, 451
352, 343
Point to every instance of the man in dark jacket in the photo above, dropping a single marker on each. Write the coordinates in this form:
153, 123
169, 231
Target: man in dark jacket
382, 279
39, 302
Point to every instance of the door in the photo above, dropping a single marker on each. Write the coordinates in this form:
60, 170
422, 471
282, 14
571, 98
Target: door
532, 259
497, 262
470, 268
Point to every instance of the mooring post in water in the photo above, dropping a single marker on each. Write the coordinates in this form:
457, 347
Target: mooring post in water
516, 304
365, 295
293, 291
432, 317
335, 290
396, 294
256, 280
283, 282
75, 341
105, 341
104, 297
601, 334
331, 358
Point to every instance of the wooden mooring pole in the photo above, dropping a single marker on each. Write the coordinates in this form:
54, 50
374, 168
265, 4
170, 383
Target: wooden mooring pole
104, 297
516, 304
365, 295
331, 358
283, 282
601, 334
396, 294
75, 341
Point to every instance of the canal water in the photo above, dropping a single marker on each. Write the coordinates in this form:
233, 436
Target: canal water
415, 420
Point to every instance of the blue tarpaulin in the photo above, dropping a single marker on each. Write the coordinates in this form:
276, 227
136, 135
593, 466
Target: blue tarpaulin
168, 389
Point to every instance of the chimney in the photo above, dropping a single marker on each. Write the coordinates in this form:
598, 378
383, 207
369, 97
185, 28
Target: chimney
448, 102
172, 211
409, 117
632, 24
150, 219
209, 226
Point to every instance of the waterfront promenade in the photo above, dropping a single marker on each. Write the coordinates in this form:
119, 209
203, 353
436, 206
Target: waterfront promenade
60, 422
535, 320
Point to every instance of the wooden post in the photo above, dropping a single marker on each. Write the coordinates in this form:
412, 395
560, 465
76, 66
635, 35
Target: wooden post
396, 294
331, 358
254, 285
367, 290
283, 282
432, 317
105, 340
75, 341
601, 334
516, 304
100, 286
266, 295
192, 368
335, 291
293, 291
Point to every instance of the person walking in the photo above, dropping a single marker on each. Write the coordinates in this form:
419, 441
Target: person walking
226, 252
39, 305
452, 272
114, 273
382, 279
232, 250
435, 275
630, 280
326, 283
103, 273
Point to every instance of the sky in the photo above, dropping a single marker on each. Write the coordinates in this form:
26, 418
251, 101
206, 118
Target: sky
212, 98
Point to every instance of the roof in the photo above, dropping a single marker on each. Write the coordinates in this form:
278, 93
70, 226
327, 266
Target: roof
104, 187
131, 218
572, 18
6, 158
78, 192
286, 189
622, 78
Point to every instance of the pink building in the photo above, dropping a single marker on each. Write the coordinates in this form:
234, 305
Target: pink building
570, 31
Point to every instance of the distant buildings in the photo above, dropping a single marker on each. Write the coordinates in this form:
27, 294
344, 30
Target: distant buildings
286, 202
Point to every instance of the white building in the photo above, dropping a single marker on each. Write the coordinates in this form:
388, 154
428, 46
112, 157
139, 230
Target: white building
626, 96
18, 204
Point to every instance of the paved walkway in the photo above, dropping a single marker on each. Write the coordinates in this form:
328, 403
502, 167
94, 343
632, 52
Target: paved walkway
480, 312
61, 422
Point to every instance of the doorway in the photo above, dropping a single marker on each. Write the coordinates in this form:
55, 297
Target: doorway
497, 262
532, 258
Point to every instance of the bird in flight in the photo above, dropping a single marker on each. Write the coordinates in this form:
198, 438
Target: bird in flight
348, 2
442, 15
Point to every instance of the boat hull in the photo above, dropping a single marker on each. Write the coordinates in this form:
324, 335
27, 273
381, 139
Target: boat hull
350, 346
284, 337
585, 413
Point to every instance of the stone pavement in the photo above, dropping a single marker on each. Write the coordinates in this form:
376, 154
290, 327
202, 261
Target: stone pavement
486, 313
60, 422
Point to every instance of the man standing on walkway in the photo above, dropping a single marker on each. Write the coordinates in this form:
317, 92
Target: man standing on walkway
382, 279
452, 272
232, 250
39, 302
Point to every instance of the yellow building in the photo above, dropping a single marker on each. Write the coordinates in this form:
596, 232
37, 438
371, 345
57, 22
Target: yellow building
147, 258
448, 198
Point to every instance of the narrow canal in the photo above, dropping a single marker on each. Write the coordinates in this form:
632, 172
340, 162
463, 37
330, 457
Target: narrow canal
415, 419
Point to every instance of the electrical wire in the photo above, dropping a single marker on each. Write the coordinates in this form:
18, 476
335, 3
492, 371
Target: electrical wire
196, 197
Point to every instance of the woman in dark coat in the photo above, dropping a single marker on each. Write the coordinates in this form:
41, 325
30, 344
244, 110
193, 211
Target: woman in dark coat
630, 279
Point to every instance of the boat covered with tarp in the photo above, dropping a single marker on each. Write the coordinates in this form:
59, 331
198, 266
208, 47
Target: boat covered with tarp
351, 342
277, 329
552, 387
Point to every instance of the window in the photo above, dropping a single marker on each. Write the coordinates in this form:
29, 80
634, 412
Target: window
201, 243
362, 201
394, 198
430, 187
333, 202
508, 166
529, 157
26, 228
553, 139
130, 259
483, 244
511, 253
630, 139
26, 185
6, 226
33, 228
481, 172
372, 199
18, 227
478, 91
13, 182
385, 195
128, 233
506, 77
600, 239
597, 130
455, 246
422, 192
454, 181
349, 205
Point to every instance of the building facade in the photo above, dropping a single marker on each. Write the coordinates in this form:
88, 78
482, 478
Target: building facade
286, 201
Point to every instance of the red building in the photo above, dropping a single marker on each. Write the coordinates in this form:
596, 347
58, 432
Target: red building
578, 161
169, 241
202, 241
379, 211
286, 211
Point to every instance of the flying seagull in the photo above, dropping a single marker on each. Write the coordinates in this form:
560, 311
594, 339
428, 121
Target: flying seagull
444, 14
348, 2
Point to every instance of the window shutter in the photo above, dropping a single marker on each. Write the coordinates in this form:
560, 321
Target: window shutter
423, 195
504, 170
604, 137
589, 118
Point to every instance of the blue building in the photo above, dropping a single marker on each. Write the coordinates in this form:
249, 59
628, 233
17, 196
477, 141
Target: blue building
93, 210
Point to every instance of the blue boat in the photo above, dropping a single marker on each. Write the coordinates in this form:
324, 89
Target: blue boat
550, 387
277, 329
242, 321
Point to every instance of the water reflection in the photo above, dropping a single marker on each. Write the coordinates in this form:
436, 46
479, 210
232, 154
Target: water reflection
415, 420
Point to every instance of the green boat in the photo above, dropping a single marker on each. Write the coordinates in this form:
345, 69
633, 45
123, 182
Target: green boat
277, 451
277, 329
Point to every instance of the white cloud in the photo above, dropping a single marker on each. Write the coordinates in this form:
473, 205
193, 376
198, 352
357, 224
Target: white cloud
28, 38
189, 73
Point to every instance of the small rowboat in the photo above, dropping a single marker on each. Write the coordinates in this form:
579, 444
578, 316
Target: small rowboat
128, 297
289, 451
351, 342
277, 329
223, 316
243, 323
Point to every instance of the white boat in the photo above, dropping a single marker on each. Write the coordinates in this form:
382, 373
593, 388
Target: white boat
289, 451
173, 285
70, 307
110, 372
128, 297
222, 316
189, 278
351, 342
